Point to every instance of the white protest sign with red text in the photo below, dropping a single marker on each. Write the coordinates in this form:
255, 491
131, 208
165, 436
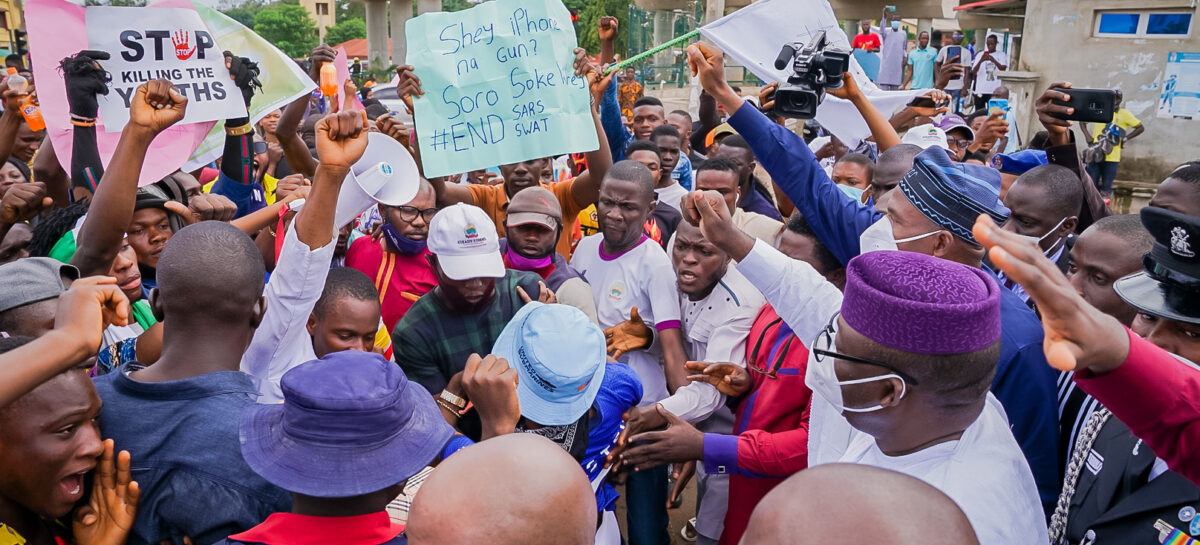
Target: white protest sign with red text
167, 43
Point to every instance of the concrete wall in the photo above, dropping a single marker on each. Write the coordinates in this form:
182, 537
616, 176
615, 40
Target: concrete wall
1059, 46
325, 16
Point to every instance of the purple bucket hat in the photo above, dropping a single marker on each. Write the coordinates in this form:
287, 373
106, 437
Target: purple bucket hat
350, 424
921, 304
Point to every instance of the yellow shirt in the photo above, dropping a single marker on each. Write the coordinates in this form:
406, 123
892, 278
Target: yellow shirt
1122, 118
493, 200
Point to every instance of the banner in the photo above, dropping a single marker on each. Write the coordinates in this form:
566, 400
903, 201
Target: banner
167, 43
499, 85
755, 34
282, 79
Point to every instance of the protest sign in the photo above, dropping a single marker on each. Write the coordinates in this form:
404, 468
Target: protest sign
283, 80
1180, 95
168, 43
57, 30
499, 86
755, 34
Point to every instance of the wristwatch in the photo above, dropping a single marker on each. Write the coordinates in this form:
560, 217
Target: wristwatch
453, 399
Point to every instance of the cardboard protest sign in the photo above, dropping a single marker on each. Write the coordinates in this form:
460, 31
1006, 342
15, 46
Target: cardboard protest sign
283, 80
168, 43
755, 34
499, 86
57, 30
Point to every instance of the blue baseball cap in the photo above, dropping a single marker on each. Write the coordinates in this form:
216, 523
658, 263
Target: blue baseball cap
1019, 162
560, 357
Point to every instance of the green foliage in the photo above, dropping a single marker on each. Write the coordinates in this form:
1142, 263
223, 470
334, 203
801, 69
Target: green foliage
349, 29
590, 12
245, 12
456, 5
289, 27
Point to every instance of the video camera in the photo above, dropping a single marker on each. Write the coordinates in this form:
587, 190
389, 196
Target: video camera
816, 68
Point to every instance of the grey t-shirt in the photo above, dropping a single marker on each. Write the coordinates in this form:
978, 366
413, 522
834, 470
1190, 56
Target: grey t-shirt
964, 58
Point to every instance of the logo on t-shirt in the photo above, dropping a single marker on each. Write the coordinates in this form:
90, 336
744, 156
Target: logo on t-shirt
616, 292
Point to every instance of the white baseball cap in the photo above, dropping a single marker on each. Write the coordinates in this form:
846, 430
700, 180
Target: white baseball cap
925, 136
464, 240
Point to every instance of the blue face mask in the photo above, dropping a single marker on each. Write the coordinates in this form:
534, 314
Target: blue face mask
405, 245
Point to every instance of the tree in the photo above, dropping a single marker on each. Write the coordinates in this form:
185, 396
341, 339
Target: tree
590, 11
289, 27
350, 29
245, 12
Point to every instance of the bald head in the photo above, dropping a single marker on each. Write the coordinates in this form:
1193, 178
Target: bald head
892, 166
210, 270
514, 489
857, 504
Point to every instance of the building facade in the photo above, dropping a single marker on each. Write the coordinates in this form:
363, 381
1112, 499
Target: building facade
324, 12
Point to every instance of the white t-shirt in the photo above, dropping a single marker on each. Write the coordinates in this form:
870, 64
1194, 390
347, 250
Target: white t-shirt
640, 277
984, 472
964, 58
988, 79
671, 195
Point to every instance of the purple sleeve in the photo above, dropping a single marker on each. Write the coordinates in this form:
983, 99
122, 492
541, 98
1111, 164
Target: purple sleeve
720, 454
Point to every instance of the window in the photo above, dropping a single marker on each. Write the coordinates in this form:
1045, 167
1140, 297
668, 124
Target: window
1142, 24
322, 8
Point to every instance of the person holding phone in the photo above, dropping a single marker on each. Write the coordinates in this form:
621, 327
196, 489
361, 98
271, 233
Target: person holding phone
1124, 127
952, 52
985, 70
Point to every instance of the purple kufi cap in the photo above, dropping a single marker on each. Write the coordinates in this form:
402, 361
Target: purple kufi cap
921, 304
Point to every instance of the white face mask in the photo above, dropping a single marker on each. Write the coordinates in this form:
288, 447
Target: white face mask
1038, 240
879, 237
822, 379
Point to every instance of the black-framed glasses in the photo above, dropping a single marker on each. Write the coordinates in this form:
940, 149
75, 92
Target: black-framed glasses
959, 142
410, 213
773, 372
260, 147
825, 341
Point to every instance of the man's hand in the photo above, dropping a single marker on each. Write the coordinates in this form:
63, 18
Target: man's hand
91, 305
709, 64
342, 138
950, 70
637, 420
287, 184
409, 85
545, 295
766, 97
1047, 109
156, 106
597, 82
394, 128
730, 379
606, 27
320, 55
204, 207
632, 334
1077, 335
993, 129
849, 89
109, 514
492, 386
24, 202
681, 473
939, 97
680, 442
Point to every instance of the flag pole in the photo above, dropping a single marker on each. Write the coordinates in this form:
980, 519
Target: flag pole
656, 49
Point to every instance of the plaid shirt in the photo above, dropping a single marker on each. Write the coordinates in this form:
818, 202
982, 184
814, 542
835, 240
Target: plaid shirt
432, 342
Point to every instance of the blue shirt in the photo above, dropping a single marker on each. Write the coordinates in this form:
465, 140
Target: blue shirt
1024, 383
182, 436
614, 124
619, 391
753, 201
921, 61
683, 172
248, 197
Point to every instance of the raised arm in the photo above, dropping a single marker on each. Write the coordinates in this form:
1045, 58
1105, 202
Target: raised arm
155, 106
85, 79
287, 131
409, 87
236, 180
586, 187
607, 27
881, 129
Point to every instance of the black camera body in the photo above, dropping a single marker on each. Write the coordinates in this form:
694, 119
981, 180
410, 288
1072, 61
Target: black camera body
816, 68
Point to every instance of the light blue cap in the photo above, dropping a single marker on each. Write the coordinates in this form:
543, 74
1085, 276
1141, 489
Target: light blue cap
559, 355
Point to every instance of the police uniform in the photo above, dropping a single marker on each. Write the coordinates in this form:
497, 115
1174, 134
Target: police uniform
1116, 490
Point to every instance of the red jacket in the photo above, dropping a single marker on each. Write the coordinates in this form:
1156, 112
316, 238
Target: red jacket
1158, 397
771, 427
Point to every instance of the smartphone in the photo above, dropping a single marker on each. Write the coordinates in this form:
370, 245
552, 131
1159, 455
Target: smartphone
922, 102
997, 106
1091, 105
953, 51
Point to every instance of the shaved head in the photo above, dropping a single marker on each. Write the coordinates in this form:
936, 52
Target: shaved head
211, 271
857, 504
513, 489
633, 171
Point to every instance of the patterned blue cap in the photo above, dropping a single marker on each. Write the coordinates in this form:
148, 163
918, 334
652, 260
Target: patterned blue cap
953, 194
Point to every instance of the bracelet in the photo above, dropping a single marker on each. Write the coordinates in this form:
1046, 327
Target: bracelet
91, 123
452, 399
446, 405
77, 117
239, 131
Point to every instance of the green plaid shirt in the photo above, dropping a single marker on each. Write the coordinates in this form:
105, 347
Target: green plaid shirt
432, 343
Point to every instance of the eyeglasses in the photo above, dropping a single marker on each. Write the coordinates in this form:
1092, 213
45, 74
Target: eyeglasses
825, 341
783, 351
410, 213
260, 147
959, 142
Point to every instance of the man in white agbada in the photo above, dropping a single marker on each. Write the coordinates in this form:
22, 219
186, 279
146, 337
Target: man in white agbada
900, 370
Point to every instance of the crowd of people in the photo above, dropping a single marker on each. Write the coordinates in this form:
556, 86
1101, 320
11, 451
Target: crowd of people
941, 334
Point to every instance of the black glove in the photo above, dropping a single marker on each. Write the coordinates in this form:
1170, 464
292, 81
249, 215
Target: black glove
85, 79
245, 75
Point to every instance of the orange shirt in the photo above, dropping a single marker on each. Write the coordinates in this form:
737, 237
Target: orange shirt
493, 200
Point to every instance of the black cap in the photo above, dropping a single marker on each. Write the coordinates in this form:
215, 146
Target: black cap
1170, 285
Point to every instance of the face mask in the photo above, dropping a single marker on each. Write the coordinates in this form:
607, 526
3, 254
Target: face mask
1038, 240
879, 237
522, 263
823, 381
404, 245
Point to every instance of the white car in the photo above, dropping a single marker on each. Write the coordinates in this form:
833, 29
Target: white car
386, 94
